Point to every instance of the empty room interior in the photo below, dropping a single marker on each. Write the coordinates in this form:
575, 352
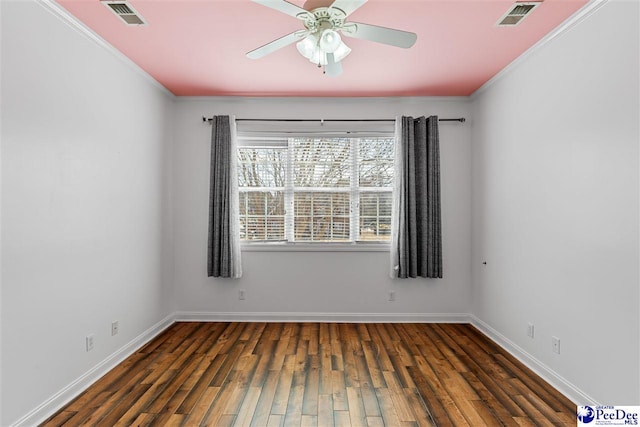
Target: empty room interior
111, 113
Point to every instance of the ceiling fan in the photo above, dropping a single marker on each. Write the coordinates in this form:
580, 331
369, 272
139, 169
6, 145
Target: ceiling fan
320, 41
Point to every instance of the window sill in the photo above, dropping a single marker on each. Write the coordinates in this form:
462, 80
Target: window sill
314, 247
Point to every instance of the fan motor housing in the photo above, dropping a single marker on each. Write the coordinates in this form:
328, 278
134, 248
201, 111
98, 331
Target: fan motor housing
323, 18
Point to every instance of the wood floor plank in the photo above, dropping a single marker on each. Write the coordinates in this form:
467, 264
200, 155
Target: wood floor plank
143, 420
532, 412
248, 408
349, 364
375, 422
339, 391
293, 415
216, 410
486, 414
169, 409
370, 401
276, 421
462, 395
357, 414
261, 371
90, 408
495, 399
279, 353
202, 406
371, 359
309, 421
341, 419
420, 410
202, 384
389, 414
302, 355
120, 405
312, 387
400, 403
325, 386
227, 366
172, 387
536, 384
149, 396
325, 410
61, 418
318, 374
281, 397
265, 401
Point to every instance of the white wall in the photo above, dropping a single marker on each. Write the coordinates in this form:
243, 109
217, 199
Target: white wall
555, 204
86, 232
284, 283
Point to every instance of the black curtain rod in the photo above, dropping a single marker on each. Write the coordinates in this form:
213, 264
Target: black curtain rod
205, 119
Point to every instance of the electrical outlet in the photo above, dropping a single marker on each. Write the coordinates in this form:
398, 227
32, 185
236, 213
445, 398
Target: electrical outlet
530, 330
89, 341
555, 344
241, 294
114, 327
392, 295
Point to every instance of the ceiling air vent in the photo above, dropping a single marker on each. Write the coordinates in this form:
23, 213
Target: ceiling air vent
516, 14
125, 11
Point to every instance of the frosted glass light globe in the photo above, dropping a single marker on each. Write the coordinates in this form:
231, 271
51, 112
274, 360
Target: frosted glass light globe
330, 41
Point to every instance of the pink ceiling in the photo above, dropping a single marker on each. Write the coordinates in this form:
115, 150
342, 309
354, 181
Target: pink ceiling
197, 47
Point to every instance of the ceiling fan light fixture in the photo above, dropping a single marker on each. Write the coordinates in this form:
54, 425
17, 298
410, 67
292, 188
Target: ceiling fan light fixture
323, 43
341, 52
330, 41
307, 46
315, 50
319, 57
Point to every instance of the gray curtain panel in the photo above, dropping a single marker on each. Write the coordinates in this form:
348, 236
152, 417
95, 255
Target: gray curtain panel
220, 257
420, 234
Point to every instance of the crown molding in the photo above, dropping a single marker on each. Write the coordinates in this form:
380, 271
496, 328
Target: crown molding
587, 10
72, 22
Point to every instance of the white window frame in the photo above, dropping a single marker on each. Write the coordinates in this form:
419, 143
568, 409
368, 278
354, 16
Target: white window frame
286, 141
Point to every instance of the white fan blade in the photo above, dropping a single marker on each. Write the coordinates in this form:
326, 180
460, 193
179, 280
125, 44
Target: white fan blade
333, 68
347, 6
277, 44
377, 34
283, 6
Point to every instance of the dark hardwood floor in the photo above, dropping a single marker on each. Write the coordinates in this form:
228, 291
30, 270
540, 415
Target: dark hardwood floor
319, 374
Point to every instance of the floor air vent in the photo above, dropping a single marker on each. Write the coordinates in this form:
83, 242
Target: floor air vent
516, 14
125, 11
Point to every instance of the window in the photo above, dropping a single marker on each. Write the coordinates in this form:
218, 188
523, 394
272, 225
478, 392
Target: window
315, 189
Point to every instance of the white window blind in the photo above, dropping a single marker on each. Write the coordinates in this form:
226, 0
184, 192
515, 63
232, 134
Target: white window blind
315, 189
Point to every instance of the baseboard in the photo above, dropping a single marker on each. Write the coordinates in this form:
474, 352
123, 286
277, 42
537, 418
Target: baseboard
64, 396
564, 386
193, 316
